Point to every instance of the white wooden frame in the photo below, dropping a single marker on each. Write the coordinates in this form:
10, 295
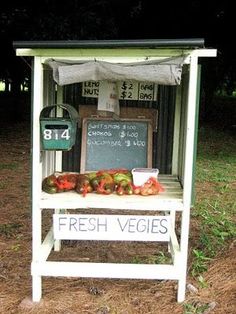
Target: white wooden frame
174, 199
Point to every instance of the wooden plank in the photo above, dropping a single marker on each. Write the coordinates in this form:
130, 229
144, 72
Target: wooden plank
174, 247
125, 112
47, 245
105, 270
188, 169
71, 200
112, 227
105, 54
170, 199
36, 177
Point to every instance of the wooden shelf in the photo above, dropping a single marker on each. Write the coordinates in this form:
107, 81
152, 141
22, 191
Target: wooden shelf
170, 199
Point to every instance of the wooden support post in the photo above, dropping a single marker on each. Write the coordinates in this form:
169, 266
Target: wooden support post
36, 176
36, 288
191, 111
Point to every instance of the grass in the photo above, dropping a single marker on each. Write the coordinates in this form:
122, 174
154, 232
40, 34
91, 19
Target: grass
216, 160
8, 166
214, 210
158, 258
215, 203
10, 229
197, 308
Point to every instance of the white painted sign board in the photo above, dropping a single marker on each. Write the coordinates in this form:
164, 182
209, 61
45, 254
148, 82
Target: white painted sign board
111, 227
127, 90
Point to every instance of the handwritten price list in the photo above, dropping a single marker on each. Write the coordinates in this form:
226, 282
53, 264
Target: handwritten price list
116, 144
111, 135
127, 90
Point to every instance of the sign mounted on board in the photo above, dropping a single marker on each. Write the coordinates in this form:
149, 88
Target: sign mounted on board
108, 97
111, 227
127, 90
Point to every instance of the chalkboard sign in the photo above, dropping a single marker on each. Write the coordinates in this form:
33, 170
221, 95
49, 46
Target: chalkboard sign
108, 143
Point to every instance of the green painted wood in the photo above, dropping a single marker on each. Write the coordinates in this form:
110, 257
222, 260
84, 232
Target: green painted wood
196, 135
105, 52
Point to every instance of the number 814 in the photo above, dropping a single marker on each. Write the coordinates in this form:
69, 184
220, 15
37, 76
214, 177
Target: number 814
49, 134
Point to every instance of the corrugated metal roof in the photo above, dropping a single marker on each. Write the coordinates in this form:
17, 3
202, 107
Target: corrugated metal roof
151, 43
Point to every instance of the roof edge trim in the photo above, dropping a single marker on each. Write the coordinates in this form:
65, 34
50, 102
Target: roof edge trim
151, 43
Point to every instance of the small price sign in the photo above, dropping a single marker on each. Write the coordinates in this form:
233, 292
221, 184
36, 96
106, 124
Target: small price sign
127, 90
56, 134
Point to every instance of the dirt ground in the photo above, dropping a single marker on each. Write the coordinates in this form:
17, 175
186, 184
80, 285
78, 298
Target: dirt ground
92, 296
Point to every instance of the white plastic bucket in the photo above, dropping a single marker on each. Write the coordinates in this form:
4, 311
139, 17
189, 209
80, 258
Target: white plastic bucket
141, 175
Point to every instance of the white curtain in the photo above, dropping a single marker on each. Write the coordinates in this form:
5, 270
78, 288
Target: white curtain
164, 72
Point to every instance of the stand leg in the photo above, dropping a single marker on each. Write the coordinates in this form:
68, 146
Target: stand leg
181, 290
57, 243
36, 288
172, 220
184, 254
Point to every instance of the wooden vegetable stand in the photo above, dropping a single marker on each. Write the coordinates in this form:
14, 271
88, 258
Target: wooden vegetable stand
165, 57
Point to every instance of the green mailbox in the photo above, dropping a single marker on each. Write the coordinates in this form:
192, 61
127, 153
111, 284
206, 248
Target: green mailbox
58, 133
